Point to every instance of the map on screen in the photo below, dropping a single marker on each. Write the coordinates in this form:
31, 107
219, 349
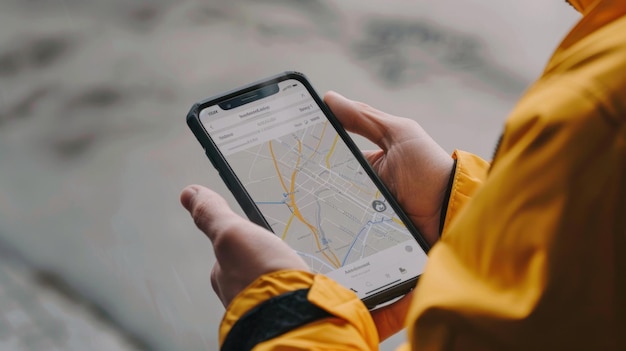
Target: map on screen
312, 191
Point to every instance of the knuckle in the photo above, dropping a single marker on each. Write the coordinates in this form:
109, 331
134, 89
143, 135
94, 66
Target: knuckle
201, 215
217, 227
214, 281
223, 234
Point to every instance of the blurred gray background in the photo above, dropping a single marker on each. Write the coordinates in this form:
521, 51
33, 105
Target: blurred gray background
95, 251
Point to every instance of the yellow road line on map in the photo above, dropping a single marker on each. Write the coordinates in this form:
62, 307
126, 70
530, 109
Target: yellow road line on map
287, 226
320, 141
361, 189
280, 176
296, 211
313, 229
295, 172
398, 221
330, 152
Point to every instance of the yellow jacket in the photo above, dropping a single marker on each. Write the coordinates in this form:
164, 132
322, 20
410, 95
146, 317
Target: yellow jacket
533, 251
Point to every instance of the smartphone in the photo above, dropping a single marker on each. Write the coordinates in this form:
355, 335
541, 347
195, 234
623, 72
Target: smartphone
295, 171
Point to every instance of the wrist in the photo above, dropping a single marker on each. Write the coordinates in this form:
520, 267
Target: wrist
446, 198
469, 173
263, 288
325, 298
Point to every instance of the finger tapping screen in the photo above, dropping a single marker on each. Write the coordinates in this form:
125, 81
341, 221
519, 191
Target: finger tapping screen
313, 192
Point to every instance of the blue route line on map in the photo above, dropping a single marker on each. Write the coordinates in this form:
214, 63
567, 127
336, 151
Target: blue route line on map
368, 224
318, 218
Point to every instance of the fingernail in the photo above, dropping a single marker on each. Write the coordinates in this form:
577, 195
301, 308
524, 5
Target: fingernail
331, 92
187, 195
337, 94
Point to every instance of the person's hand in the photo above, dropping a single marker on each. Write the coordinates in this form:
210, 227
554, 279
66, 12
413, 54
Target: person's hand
390, 319
410, 163
244, 250
415, 169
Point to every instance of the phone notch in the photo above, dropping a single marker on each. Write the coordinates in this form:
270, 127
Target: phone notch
249, 97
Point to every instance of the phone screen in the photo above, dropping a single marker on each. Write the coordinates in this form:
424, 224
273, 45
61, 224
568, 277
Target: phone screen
312, 190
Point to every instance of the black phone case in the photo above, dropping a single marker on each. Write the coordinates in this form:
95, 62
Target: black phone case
247, 203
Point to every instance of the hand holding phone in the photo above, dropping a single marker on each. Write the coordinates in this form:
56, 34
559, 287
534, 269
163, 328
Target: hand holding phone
414, 167
244, 251
295, 171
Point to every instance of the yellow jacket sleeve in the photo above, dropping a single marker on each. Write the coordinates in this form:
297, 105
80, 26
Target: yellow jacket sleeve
536, 259
469, 174
350, 328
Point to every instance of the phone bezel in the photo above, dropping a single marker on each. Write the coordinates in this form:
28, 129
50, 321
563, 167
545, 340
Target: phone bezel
247, 203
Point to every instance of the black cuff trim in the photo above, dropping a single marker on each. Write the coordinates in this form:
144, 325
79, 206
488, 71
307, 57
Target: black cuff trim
272, 318
446, 199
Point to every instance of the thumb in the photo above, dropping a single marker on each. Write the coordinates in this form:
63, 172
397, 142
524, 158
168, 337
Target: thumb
362, 119
208, 209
